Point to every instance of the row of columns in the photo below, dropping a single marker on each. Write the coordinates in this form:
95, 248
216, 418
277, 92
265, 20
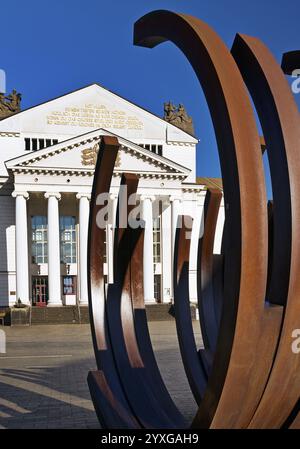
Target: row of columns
54, 276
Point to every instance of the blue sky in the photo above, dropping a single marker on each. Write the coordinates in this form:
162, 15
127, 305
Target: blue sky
52, 47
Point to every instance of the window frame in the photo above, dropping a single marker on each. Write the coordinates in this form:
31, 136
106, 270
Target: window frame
73, 285
42, 229
71, 258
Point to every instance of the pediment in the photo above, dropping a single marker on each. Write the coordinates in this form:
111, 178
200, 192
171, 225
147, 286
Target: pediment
80, 153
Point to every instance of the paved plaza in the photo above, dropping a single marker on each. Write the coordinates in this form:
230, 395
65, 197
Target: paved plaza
43, 375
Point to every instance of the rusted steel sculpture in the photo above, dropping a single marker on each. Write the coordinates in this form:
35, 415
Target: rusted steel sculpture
247, 375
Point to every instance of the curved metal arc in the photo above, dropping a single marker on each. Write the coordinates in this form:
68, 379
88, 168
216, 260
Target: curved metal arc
132, 374
206, 288
108, 150
194, 369
242, 170
256, 386
111, 405
144, 340
279, 117
135, 377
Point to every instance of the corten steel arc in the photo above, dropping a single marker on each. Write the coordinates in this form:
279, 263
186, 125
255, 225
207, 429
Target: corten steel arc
106, 390
197, 363
207, 301
290, 62
246, 246
279, 117
136, 378
127, 373
249, 297
192, 363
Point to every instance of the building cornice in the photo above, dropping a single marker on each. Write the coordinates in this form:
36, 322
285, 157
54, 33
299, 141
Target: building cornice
9, 134
90, 172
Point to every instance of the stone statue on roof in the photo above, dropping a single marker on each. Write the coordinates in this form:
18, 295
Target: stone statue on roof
178, 117
10, 104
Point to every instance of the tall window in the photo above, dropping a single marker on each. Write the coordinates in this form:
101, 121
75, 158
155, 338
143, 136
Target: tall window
157, 287
67, 239
156, 240
157, 257
39, 243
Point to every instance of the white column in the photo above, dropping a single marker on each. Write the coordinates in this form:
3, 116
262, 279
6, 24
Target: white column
22, 271
54, 278
110, 232
84, 212
148, 269
175, 211
166, 251
197, 233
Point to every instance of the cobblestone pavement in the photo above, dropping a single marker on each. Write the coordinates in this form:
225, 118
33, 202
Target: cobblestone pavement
43, 375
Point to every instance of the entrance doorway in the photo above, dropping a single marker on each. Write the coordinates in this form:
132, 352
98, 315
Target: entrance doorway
40, 291
157, 287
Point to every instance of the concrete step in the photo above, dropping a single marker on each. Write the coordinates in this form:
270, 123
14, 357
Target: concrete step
70, 314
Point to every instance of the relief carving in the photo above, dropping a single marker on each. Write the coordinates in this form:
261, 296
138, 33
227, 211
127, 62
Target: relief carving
89, 156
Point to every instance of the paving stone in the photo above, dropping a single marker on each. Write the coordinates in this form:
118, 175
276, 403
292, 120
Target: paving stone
43, 375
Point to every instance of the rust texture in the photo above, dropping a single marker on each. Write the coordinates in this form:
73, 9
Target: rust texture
247, 375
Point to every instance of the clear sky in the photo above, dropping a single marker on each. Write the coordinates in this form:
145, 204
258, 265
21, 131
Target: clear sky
51, 47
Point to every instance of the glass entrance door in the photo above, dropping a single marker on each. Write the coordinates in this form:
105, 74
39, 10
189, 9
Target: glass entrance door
39, 291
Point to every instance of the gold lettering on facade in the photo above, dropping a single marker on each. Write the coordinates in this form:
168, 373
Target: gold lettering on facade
94, 116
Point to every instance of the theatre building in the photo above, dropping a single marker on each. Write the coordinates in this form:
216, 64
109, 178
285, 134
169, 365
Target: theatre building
47, 160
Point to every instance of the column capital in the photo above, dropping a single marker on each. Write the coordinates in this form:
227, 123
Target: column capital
80, 195
15, 193
56, 195
147, 197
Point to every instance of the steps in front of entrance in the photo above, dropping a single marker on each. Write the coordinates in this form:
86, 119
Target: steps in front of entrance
70, 314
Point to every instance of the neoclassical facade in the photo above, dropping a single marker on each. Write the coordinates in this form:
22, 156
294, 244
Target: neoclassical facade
47, 159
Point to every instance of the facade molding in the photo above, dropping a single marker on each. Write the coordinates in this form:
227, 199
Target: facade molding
16, 193
80, 195
56, 195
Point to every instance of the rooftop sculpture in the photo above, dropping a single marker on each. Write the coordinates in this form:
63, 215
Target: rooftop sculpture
10, 104
178, 117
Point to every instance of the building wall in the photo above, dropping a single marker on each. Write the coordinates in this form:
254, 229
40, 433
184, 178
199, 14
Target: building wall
76, 114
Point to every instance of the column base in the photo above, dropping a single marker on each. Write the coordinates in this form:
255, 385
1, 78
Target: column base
55, 304
83, 303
